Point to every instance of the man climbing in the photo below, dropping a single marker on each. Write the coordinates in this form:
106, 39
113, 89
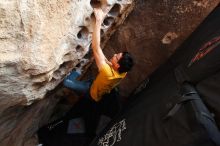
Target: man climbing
110, 72
91, 107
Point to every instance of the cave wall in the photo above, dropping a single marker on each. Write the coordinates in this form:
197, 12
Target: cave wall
153, 31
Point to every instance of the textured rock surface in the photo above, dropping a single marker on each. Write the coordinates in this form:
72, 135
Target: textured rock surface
18, 124
41, 41
153, 31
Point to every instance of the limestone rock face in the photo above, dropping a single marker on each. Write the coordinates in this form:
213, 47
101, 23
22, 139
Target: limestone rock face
42, 40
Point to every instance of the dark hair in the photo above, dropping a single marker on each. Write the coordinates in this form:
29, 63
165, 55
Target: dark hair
126, 62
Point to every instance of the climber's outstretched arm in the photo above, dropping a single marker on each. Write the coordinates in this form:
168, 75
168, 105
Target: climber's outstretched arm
97, 51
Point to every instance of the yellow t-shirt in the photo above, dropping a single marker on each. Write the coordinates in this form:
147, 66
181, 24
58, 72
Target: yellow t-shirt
105, 81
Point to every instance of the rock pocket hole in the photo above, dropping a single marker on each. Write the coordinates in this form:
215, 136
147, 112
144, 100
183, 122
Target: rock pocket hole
65, 65
89, 53
102, 32
115, 10
63, 68
83, 33
108, 21
67, 56
95, 3
79, 48
92, 17
39, 85
87, 19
